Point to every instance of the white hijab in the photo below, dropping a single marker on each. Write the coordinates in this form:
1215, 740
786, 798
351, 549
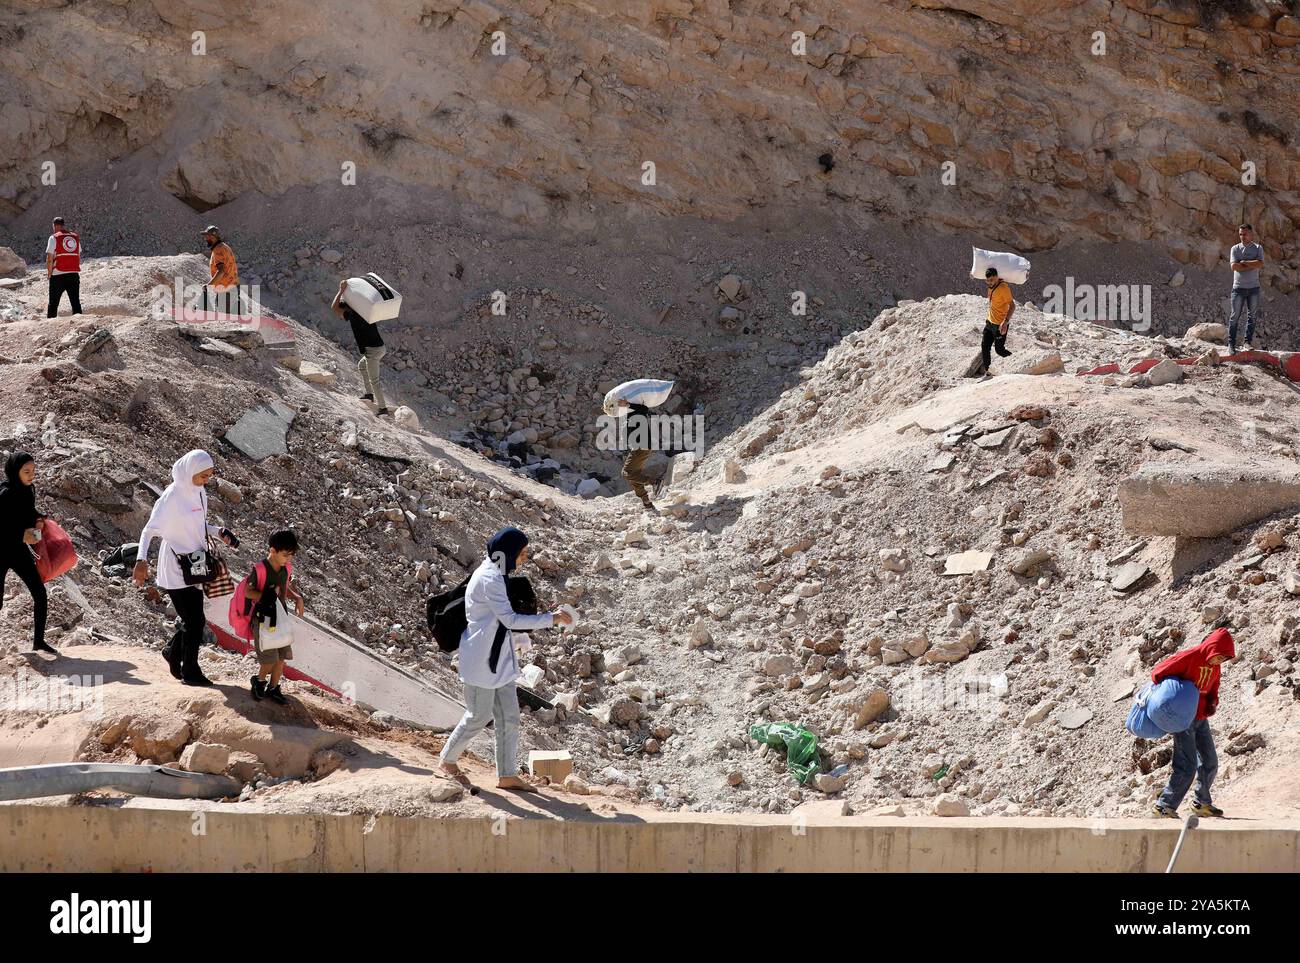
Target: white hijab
186, 468
174, 517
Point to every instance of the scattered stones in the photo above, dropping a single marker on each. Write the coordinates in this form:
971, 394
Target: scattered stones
729, 286
99, 352
949, 804
778, 665
1074, 717
967, 563
1030, 562
1166, 372
11, 265
316, 375
405, 417
875, 705
829, 784
1210, 331
1038, 713
326, 761
205, 757
892, 560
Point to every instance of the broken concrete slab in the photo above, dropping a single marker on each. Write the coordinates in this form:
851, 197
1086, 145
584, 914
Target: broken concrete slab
285, 355
967, 563
99, 352
941, 463
1122, 691
242, 335
1074, 717
315, 374
221, 349
263, 431
1206, 499
1129, 576
994, 439
1128, 553
1039, 363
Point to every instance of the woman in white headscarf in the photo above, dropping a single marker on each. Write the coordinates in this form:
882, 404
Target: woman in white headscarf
180, 519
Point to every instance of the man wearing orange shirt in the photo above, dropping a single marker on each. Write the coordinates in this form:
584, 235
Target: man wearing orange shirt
1001, 307
224, 271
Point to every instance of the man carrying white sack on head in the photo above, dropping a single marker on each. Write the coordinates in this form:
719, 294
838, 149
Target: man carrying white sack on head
999, 270
632, 402
1001, 307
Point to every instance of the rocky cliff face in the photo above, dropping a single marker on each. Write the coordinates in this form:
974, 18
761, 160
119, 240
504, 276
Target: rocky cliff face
1052, 140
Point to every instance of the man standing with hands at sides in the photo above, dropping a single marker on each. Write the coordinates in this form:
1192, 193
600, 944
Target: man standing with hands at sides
1247, 258
371, 346
63, 268
223, 272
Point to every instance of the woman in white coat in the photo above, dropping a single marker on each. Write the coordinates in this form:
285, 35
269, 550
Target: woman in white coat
488, 665
180, 519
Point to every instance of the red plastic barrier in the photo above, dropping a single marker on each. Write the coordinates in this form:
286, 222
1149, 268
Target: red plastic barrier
55, 554
1289, 363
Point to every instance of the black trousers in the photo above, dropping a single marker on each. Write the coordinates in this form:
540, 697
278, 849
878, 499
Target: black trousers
993, 338
59, 283
223, 302
24, 566
188, 603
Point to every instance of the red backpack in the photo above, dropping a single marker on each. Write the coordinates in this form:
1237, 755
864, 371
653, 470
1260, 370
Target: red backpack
241, 609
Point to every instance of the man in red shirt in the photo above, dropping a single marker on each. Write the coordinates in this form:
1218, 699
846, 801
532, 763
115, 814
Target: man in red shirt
1194, 753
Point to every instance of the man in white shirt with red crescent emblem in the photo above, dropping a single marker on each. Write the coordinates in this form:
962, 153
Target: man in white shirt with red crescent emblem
63, 268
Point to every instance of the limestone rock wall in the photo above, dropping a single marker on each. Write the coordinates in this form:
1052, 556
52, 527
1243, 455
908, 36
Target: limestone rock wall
1051, 140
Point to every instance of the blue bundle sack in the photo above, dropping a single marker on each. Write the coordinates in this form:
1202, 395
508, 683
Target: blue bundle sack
1172, 704
1139, 722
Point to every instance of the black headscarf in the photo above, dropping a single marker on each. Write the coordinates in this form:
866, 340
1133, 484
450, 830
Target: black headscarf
18, 500
504, 548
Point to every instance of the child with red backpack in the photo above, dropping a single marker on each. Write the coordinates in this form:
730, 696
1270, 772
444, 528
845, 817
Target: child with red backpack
259, 611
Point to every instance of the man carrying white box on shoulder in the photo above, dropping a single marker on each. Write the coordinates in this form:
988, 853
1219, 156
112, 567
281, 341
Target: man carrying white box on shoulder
366, 332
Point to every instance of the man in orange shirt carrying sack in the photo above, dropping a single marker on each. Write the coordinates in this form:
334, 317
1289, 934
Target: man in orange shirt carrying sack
1001, 307
224, 271
63, 268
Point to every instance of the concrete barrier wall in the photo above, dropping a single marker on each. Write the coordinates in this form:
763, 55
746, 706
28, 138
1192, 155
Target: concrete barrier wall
93, 839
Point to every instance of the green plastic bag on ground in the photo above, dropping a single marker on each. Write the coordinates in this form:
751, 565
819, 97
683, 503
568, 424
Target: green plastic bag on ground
800, 746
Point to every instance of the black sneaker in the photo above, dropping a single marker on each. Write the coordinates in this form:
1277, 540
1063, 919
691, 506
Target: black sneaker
1004, 353
198, 679
381, 412
173, 661
367, 397
44, 647
259, 688
275, 695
